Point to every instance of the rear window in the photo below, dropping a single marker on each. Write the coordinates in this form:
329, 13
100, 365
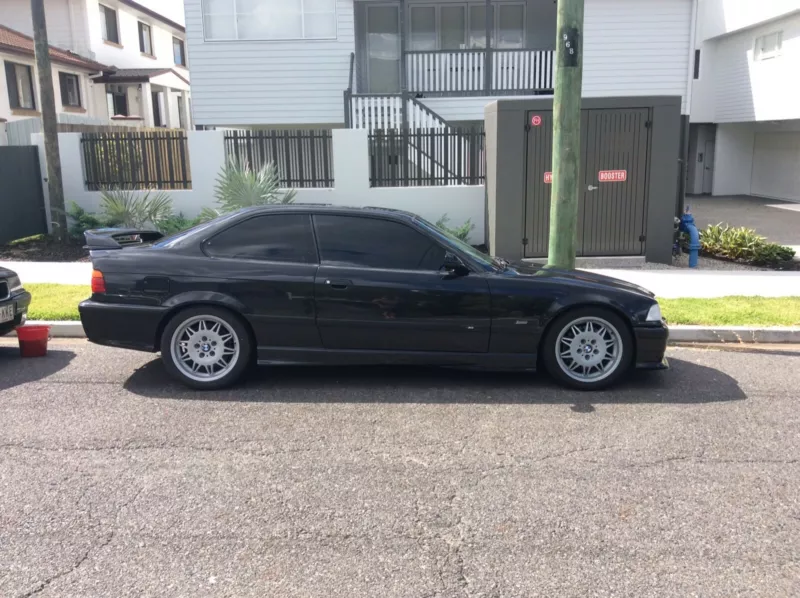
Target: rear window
177, 238
273, 238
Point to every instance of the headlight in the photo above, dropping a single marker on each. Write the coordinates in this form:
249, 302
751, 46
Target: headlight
654, 315
14, 284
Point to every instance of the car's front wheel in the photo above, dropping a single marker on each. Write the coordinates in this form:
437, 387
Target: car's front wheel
588, 349
206, 347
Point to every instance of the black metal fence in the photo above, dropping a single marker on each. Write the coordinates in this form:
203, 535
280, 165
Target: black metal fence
304, 159
136, 161
427, 157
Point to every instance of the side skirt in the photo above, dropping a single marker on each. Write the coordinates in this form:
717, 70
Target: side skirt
312, 356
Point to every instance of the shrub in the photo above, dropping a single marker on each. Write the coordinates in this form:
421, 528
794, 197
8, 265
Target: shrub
462, 232
134, 209
240, 186
772, 254
81, 221
733, 243
176, 223
742, 244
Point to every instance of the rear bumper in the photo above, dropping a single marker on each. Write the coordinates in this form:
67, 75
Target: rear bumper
651, 346
126, 326
21, 302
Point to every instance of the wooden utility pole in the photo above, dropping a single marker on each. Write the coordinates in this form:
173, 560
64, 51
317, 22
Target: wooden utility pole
58, 214
566, 135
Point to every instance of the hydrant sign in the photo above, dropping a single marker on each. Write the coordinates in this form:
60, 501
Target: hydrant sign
612, 176
548, 178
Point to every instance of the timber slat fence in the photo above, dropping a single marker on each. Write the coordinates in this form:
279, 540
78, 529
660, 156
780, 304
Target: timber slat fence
427, 157
136, 161
304, 159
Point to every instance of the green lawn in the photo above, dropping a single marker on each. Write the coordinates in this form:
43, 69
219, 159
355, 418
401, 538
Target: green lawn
733, 311
56, 301
60, 302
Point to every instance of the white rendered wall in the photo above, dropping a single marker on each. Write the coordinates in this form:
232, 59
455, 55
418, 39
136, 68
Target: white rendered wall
351, 186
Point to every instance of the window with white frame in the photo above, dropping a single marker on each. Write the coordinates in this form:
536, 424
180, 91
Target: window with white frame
260, 20
108, 24
19, 80
179, 51
70, 86
145, 39
463, 26
768, 46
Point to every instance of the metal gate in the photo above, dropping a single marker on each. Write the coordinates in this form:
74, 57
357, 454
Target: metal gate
614, 166
22, 211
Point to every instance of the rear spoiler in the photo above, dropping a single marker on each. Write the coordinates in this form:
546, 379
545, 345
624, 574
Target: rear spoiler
119, 238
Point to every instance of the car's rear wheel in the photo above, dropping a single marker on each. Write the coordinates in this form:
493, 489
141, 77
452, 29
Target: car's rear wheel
206, 347
588, 349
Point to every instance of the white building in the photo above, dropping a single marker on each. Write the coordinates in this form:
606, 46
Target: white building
147, 81
745, 109
19, 82
273, 63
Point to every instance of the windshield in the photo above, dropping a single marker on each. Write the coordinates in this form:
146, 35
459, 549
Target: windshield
448, 238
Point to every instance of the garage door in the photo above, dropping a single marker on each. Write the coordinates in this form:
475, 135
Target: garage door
776, 166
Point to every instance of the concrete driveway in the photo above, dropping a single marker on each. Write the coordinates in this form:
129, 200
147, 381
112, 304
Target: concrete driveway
777, 220
351, 482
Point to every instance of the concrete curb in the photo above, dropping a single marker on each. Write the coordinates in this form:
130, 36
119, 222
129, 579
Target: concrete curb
733, 334
61, 329
677, 334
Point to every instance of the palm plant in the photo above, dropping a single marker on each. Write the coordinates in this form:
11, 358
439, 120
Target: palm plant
135, 210
241, 186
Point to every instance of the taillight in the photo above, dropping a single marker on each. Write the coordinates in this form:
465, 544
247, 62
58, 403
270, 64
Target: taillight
98, 282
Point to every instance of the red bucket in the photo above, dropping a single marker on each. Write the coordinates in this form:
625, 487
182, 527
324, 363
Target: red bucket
33, 340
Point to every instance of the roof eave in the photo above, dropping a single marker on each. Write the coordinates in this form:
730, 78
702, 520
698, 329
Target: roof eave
77, 63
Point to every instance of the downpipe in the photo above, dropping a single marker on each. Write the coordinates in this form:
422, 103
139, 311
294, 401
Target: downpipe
688, 226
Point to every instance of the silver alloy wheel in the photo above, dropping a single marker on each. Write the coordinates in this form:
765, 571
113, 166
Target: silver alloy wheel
589, 349
205, 348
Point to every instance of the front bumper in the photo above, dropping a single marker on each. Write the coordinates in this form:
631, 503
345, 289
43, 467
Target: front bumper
651, 346
21, 302
127, 326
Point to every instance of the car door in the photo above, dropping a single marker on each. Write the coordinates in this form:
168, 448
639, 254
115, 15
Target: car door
380, 287
268, 263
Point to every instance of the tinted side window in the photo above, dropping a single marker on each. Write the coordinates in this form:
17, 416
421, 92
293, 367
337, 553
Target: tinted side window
276, 238
373, 243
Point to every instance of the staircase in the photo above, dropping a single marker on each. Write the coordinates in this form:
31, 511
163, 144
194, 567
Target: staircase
410, 143
389, 111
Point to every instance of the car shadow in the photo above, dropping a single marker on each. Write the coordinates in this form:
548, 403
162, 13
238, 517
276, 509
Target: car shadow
684, 383
16, 370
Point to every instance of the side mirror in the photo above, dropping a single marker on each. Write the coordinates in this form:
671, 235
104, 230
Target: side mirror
454, 265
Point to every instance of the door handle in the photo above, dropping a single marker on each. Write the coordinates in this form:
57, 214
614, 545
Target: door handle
592, 188
339, 284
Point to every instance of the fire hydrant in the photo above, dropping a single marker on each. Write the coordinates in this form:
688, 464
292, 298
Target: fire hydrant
688, 226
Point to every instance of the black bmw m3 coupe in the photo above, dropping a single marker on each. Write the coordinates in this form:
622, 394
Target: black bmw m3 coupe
315, 284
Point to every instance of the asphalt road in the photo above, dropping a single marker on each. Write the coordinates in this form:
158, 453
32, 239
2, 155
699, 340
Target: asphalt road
116, 482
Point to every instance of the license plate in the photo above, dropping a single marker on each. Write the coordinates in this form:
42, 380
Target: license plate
6, 313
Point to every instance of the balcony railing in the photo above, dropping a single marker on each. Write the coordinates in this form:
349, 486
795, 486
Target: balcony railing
470, 72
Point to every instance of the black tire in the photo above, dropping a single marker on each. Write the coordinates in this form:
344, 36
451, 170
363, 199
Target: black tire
554, 366
240, 334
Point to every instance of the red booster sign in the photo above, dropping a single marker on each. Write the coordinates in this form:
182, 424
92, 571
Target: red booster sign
612, 176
